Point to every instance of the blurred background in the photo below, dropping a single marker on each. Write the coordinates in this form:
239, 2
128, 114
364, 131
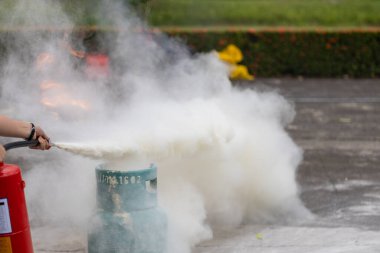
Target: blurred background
315, 38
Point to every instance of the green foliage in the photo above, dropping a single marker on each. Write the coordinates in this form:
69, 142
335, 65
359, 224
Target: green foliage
79, 12
265, 12
277, 53
295, 53
207, 12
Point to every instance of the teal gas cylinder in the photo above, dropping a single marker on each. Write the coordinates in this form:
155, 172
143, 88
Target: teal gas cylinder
128, 219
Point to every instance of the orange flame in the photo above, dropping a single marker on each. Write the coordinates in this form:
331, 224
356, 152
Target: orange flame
55, 95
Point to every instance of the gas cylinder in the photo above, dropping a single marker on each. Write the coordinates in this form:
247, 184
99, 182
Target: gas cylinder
128, 219
15, 234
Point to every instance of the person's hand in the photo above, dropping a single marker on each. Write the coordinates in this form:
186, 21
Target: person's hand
43, 144
40, 133
43, 139
2, 153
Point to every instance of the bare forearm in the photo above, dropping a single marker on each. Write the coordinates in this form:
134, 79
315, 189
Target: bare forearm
14, 128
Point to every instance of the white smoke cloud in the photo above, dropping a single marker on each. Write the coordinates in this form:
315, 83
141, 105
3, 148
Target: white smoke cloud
222, 153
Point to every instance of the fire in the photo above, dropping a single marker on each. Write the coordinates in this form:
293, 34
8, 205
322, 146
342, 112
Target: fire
63, 100
56, 95
46, 85
44, 60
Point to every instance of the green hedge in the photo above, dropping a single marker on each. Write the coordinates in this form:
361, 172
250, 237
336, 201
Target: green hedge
277, 52
296, 53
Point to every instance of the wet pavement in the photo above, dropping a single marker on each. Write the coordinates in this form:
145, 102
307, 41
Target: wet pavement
338, 126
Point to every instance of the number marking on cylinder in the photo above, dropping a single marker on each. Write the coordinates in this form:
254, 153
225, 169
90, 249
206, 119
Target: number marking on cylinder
120, 180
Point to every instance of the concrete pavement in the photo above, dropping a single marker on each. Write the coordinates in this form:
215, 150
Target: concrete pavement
338, 126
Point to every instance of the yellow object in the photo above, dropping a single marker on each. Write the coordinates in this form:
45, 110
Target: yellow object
5, 245
259, 236
240, 72
233, 55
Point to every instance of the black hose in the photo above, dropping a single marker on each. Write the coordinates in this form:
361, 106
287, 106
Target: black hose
20, 144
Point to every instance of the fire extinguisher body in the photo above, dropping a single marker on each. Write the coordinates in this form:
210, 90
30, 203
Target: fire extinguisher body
15, 236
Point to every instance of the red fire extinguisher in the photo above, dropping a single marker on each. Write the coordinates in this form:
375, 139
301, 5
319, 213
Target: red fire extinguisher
15, 234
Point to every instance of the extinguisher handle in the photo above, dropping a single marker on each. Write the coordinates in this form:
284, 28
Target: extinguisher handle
20, 144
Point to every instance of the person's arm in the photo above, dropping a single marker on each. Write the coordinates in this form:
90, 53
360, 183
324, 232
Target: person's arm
14, 128
22, 129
